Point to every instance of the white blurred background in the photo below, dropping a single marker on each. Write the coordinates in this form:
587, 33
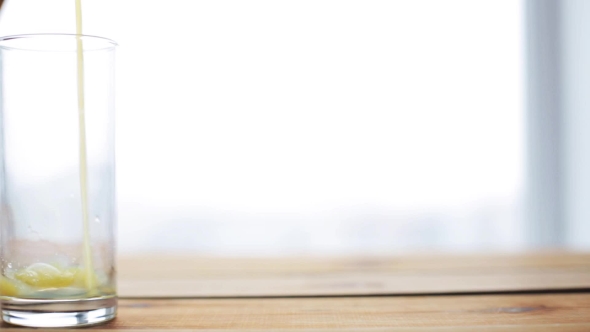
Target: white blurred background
271, 127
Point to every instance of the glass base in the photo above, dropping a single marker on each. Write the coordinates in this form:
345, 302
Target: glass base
59, 313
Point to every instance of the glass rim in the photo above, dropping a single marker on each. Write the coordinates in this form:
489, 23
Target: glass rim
98, 43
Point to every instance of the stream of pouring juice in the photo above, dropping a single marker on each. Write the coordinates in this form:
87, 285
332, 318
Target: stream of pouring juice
89, 279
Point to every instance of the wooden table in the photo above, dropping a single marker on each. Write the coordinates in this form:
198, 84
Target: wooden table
527, 292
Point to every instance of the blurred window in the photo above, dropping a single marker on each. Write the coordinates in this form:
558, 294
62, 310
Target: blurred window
311, 126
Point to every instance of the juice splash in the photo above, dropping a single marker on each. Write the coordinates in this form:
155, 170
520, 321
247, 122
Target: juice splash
42, 281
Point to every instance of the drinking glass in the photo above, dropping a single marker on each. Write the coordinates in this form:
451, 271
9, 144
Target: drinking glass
57, 180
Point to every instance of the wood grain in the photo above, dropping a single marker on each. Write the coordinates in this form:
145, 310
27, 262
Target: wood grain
173, 276
582, 327
373, 312
547, 312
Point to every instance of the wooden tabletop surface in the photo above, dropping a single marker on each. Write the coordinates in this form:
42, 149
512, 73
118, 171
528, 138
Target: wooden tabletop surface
526, 292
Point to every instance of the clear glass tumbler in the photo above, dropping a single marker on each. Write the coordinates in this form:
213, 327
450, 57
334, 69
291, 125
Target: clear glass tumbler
57, 180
